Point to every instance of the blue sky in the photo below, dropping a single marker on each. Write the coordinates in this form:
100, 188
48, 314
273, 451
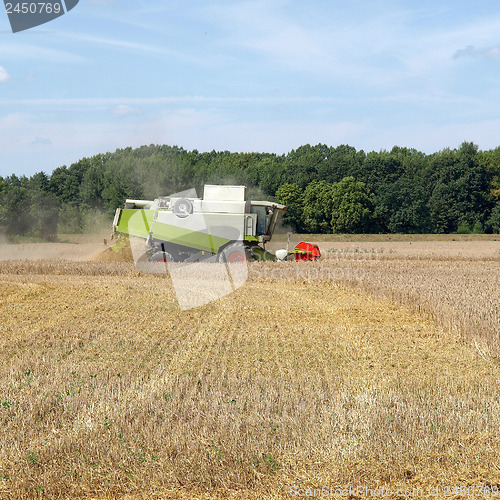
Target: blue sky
248, 76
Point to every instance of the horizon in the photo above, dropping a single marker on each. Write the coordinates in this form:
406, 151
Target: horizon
20, 175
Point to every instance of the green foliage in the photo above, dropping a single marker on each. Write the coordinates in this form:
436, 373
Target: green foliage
33, 458
14, 205
317, 213
325, 188
43, 215
491, 162
352, 207
459, 189
269, 459
494, 221
401, 207
292, 196
464, 228
70, 220
214, 450
478, 228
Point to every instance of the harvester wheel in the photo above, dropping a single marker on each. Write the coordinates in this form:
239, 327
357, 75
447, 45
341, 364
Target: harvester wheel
233, 253
152, 263
161, 256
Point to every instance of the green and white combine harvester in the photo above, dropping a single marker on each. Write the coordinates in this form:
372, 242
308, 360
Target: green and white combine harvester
221, 227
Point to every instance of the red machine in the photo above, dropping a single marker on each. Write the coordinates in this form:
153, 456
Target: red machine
306, 251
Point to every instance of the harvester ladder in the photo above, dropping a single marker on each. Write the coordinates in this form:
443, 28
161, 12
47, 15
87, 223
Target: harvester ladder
150, 235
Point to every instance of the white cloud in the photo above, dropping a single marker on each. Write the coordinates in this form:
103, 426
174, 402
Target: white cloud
4, 76
481, 53
379, 48
148, 49
41, 141
267, 29
123, 109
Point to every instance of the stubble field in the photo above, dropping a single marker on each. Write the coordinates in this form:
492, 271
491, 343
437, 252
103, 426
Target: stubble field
367, 369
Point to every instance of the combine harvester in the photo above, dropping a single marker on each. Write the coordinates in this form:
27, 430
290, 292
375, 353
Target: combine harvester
222, 227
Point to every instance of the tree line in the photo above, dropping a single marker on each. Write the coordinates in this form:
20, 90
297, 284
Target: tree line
327, 189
